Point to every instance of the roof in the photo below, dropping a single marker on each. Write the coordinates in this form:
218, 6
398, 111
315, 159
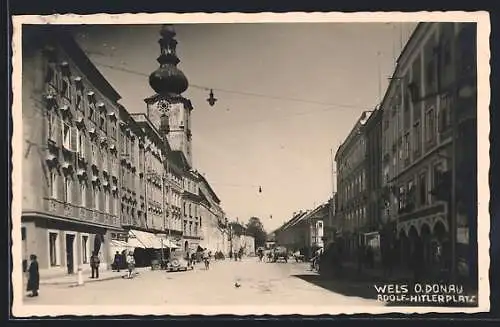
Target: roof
210, 189
310, 214
178, 158
149, 129
62, 36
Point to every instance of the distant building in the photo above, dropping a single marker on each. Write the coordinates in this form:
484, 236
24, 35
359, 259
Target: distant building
305, 231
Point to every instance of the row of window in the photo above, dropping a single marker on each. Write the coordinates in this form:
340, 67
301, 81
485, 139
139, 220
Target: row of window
65, 189
55, 244
73, 93
350, 189
190, 228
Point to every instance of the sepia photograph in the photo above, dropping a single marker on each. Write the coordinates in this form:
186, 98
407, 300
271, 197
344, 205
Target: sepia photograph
250, 164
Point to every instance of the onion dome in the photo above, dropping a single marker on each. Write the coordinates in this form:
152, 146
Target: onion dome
168, 80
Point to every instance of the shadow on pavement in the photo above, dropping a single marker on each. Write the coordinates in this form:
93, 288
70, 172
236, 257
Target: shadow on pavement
342, 286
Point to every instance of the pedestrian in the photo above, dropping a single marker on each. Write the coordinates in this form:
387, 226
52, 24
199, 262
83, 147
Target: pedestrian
206, 259
33, 277
130, 264
94, 265
117, 261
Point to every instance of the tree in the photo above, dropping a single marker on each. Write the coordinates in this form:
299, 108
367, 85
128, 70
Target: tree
256, 229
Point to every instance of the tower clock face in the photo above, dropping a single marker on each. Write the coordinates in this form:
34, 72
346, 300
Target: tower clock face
163, 106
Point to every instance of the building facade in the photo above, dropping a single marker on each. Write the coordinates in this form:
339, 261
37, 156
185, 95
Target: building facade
97, 178
71, 193
373, 132
351, 159
430, 103
212, 222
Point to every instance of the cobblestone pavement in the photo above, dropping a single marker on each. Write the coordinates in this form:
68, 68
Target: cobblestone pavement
261, 284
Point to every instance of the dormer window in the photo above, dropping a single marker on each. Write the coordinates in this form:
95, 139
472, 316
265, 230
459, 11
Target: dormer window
112, 116
101, 106
78, 82
50, 101
64, 109
80, 123
65, 68
82, 174
91, 96
51, 160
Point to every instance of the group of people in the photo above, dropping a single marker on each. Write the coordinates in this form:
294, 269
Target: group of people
120, 259
236, 255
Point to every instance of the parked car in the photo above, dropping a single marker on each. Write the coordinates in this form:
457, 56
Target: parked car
178, 262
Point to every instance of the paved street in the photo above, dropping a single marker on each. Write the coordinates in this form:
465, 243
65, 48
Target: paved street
261, 284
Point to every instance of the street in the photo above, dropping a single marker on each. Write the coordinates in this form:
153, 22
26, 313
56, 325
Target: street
261, 284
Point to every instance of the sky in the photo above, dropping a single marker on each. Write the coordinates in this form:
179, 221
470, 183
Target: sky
310, 83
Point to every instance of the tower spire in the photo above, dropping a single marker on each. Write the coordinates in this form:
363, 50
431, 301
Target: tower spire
168, 80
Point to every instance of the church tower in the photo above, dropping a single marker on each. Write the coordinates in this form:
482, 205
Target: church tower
168, 110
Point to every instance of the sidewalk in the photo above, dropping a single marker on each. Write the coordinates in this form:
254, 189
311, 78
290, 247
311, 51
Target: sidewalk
72, 280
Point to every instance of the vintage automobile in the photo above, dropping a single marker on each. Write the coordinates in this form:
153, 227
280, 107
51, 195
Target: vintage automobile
280, 253
178, 262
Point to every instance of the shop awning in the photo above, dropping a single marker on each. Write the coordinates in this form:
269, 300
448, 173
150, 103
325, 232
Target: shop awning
145, 240
119, 246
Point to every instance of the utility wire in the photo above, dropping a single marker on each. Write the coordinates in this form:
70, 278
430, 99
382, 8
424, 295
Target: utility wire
206, 88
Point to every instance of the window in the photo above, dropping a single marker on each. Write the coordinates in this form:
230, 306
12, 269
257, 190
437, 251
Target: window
417, 138
401, 197
106, 202
78, 102
93, 149
80, 145
407, 146
422, 184
103, 121
66, 89
66, 132
85, 251
92, 111
67, 190
52, 121
444, 113
83, 192
430, 125
438, 168
95, 196
54, 249
53, 184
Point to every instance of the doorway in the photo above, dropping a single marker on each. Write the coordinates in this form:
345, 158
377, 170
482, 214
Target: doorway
70, 253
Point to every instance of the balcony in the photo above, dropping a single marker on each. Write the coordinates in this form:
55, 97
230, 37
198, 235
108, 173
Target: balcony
80, 214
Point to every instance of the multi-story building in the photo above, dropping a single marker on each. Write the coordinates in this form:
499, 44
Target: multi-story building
155, 152
305, 231
430, 102
352, 187
132, 185
373, 132
70, 173
211, 216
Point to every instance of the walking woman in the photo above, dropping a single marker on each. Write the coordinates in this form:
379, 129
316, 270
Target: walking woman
130, 264
33, 277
